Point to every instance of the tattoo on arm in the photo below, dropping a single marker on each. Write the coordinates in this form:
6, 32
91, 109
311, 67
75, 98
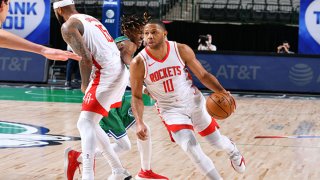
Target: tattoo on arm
72, 34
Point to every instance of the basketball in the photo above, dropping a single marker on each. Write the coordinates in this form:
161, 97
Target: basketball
220, 106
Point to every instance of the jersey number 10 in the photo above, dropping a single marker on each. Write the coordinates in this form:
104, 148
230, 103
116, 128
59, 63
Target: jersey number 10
168, 86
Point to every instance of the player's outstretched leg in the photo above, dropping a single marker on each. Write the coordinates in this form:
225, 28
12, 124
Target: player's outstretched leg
222, 142
118, 171
86, 126
187, 141
145, 150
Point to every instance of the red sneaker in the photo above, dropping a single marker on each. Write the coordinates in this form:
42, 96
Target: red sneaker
147, 175
71, 163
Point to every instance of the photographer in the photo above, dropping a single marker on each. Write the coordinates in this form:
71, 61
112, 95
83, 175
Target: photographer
284, 48
205, 43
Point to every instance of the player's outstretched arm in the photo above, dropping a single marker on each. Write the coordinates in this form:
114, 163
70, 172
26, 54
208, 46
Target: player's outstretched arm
137, 71
206, 78
72, 31
11, 41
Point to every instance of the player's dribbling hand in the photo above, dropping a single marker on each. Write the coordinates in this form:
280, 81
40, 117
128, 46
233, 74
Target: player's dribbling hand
231, 97
142, 131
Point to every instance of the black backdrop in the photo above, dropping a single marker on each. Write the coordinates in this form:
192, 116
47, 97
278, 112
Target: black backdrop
227, 37
231, 37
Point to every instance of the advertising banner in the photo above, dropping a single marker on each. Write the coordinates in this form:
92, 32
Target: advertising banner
111, 17
29, 19
263, 73
309, 27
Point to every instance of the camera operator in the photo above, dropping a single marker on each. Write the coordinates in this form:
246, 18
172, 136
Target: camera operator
284, 48
205, 43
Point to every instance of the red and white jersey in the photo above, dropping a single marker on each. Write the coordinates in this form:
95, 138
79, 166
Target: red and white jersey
110, 74
168, 80
98, 41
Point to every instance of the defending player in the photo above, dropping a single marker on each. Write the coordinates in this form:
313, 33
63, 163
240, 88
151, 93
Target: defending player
161, 65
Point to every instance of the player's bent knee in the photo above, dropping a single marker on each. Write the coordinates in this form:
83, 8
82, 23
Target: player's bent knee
83, 123
126, 146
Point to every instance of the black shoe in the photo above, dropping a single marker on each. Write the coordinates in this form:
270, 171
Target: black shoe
67, 84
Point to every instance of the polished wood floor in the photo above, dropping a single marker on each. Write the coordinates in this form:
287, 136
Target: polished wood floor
266, 159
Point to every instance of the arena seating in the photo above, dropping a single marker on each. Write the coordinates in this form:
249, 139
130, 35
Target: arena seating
283, 11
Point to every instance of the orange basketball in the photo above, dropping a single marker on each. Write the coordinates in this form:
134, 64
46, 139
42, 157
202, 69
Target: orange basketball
220, 106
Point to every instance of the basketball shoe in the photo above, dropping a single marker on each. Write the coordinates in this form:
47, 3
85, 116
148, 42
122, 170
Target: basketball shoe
237, 160
120, 174
149, 174
71, 163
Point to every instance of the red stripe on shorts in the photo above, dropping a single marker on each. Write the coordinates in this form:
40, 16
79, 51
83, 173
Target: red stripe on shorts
210, 129
90, 102
176, 127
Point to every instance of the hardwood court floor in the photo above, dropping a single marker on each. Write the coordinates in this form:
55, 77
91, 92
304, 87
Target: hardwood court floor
269, 158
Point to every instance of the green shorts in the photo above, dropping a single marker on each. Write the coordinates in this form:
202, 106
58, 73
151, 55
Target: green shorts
118, 120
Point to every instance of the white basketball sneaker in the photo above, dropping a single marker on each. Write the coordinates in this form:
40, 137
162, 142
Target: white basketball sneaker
120, 175
237, 160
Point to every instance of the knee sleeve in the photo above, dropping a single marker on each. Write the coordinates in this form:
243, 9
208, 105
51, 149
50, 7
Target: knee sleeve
220, 142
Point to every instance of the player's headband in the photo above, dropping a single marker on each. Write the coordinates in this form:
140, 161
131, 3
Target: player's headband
62, 3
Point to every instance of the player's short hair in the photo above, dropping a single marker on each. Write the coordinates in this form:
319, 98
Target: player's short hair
5, 1
133, 22
157, 21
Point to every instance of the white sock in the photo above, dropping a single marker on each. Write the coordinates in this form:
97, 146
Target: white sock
107, 150
86, 127
145, 150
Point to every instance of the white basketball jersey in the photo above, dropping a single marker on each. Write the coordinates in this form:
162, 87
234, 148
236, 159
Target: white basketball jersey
167, 80
111, 76
99, 42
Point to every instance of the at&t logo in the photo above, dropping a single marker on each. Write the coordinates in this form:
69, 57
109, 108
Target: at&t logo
110, 16
301, 74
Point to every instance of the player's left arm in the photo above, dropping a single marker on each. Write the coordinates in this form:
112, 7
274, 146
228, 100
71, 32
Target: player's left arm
72, 31
127, 50
206, 78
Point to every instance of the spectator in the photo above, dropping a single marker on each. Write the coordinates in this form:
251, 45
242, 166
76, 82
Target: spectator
72, 67
284, 48
205, 43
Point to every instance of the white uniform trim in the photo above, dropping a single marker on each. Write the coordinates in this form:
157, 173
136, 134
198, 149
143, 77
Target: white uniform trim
145, 66
178, 54
62, 3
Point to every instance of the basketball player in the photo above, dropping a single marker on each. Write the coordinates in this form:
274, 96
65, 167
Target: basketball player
11, 41
91, 40
161, 65
120, 119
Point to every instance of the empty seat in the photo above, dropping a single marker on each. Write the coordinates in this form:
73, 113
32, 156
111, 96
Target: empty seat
205, 10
